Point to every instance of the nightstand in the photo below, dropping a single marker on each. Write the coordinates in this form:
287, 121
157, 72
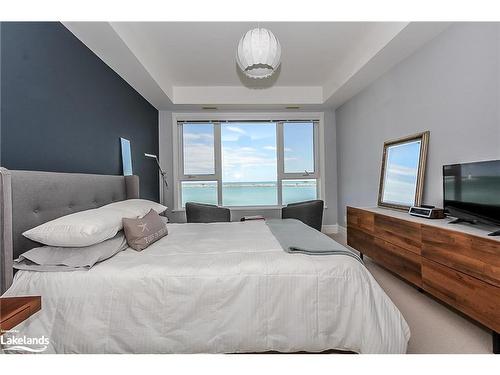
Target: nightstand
14, 310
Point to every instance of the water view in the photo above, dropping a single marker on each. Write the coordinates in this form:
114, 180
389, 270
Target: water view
248, 193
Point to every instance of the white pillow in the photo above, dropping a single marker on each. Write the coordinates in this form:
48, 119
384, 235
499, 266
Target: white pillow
90, 227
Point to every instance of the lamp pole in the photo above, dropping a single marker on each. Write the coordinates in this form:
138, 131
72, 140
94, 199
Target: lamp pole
162, 173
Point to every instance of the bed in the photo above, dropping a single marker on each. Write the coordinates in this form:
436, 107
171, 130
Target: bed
204, 288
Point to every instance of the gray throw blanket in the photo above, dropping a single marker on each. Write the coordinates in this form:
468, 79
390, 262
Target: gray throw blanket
296, 237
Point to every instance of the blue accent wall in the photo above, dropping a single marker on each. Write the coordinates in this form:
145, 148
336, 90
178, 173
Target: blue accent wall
64, 110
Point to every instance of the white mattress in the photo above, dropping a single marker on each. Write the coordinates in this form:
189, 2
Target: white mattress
214, 288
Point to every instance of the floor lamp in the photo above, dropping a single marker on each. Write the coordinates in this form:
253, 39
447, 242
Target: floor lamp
163, 175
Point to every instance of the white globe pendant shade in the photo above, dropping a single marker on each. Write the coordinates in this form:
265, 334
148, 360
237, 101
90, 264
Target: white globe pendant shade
259, 53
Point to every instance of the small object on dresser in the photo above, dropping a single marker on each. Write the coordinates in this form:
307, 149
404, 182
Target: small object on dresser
254, 217
428, 212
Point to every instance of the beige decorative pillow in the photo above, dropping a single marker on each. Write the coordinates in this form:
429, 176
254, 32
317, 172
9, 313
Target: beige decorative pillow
144, 231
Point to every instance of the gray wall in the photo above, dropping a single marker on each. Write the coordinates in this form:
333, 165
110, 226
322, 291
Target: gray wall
450, 87
63, 109
330, 215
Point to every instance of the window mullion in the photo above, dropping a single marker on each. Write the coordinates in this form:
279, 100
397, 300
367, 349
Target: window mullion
316, 141
317, 167
218, 160
180, 149
300, 176
280, 160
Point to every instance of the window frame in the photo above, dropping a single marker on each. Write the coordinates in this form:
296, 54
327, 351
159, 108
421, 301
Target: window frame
216, 119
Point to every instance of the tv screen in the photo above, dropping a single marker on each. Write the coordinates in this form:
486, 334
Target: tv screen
472, 191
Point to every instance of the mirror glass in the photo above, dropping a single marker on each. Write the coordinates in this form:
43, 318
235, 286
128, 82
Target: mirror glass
402, 172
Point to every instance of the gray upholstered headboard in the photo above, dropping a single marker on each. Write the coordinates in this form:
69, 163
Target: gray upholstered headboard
30, 198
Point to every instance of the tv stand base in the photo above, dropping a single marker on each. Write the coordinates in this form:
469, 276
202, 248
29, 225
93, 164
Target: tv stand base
495, 233
458, 221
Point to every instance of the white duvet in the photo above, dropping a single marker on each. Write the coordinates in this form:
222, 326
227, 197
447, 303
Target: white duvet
213, 288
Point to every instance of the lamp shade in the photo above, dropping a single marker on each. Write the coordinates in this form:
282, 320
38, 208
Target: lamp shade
259, 53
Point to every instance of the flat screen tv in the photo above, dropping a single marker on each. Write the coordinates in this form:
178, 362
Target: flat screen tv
472, 191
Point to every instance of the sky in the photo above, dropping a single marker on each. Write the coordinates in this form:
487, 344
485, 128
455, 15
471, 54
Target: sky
299, 147
198, 154
248, 150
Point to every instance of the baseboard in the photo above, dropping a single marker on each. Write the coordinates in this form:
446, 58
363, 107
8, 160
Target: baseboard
341, 229
330, 229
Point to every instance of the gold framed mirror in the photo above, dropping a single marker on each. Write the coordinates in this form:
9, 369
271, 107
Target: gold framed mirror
403, 171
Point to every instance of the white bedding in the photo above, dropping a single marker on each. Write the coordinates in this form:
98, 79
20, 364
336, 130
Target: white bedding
213, 288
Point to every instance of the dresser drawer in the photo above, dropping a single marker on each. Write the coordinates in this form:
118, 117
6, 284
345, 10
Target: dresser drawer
359, 240
473, 297
474, 256
402, 233
402, 262
360, 219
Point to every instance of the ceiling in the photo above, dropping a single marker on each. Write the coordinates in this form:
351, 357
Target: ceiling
192, 64
203, 54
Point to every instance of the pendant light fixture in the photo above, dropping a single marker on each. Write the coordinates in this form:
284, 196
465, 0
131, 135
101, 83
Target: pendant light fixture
259, 53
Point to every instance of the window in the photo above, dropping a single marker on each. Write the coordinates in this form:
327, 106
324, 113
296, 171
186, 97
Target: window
198, 149
247, 163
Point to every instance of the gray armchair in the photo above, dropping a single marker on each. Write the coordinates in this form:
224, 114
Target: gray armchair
309, 212
206, 213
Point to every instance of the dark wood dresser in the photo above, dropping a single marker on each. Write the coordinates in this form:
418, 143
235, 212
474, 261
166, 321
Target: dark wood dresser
457, 264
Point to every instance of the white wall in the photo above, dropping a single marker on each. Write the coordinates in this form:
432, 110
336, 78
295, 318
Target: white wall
330, 216
450, 86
